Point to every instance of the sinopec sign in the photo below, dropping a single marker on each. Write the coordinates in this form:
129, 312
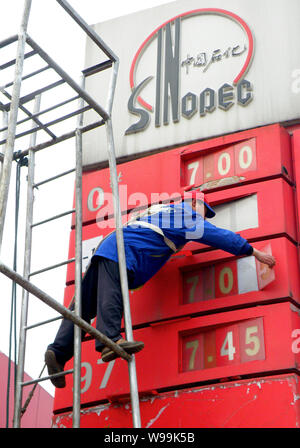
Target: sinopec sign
190, 72
174, 61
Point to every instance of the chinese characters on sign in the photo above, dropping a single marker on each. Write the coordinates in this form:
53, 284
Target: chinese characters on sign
205, 60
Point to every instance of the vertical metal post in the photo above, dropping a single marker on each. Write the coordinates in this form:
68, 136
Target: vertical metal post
9, 147
26, 272
123, 273
4, 125
78, 270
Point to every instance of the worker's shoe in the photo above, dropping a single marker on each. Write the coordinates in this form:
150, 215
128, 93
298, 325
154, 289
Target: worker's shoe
54, 367
129, 346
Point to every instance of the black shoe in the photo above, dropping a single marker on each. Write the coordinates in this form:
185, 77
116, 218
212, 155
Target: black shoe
130, 347
54, 367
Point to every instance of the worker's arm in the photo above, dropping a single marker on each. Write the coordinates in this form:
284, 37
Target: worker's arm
232, 242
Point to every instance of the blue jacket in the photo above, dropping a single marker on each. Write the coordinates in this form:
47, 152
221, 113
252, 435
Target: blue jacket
146, 251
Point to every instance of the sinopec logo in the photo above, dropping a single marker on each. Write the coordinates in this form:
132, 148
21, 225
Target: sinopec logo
197, 63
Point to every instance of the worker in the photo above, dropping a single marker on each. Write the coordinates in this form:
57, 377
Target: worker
149, 243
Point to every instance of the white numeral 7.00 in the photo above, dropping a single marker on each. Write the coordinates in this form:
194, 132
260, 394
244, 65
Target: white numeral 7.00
230, 350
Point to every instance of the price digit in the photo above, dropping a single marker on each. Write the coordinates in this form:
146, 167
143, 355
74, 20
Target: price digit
87, 378
97, 195
194, 281
253, 340
230, 350
226, 287
245, 162
194, 346
226, 158
194, 167
107, 373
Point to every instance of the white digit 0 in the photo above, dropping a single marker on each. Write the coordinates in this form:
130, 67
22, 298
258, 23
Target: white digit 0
246, 150
99, 199
226, 289
225, 156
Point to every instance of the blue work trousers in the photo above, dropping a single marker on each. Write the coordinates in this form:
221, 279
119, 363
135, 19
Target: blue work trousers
101, 297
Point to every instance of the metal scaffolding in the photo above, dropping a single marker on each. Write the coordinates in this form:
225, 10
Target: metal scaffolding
85, 102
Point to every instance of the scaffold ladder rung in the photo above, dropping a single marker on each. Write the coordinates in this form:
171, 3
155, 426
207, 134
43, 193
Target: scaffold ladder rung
38, 324
52, 218
49, 377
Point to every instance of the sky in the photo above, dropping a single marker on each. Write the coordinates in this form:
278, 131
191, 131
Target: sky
58, 35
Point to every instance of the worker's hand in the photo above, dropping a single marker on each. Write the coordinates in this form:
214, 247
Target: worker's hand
264, 258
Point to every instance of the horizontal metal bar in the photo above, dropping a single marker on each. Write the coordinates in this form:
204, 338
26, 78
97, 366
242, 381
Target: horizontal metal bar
8, 41
32, 95
38, 184
22, 134
85, 95
36, 72
48, 321
52, 218
49, 109
60, 139
50, 123
54, 266
67, 116
27, 112
38, 380
13, 61
45, 298
97, 68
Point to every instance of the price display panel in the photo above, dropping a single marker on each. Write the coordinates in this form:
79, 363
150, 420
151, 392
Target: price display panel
193, 350
228, 345
229, 160
239, 161
215, 280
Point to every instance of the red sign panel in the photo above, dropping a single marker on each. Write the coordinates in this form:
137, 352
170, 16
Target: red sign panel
250, 403
193, 350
